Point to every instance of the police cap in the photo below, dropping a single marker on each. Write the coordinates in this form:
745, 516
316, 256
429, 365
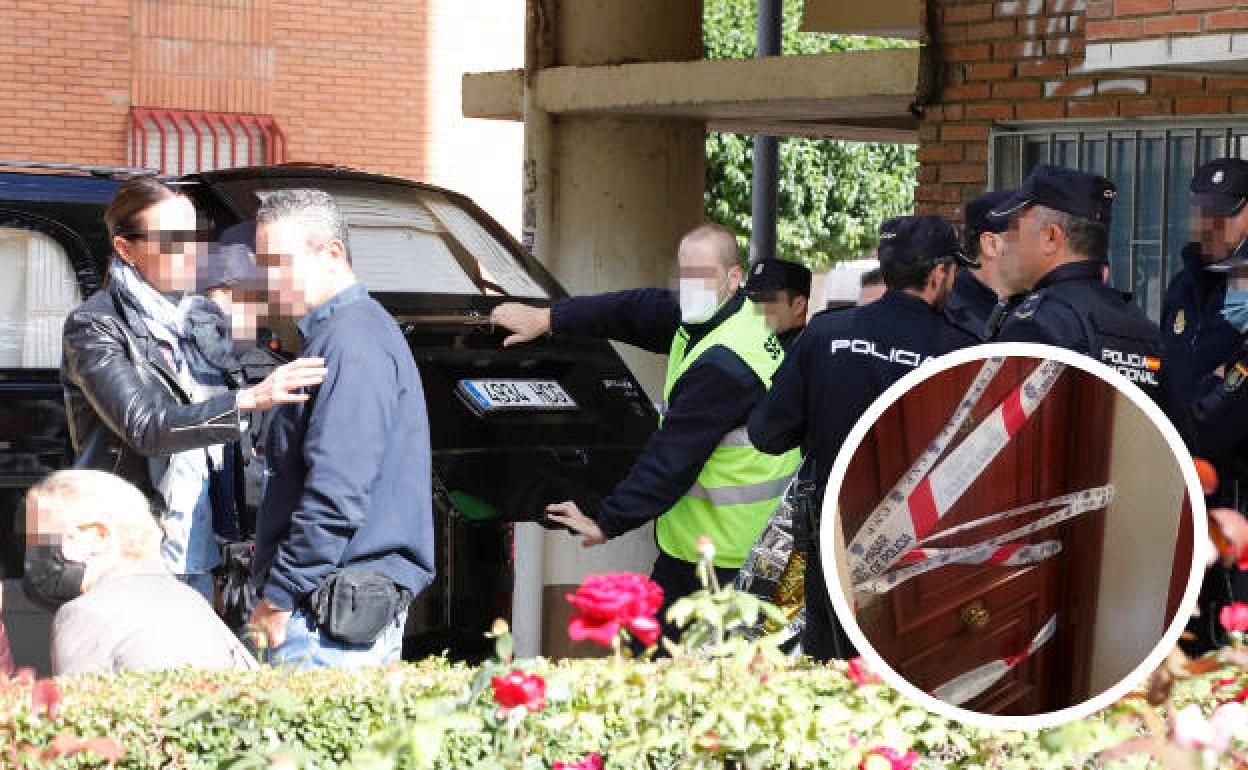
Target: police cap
769, 276
975, 220
1221, 185
230, 261
926, 239
1084, 195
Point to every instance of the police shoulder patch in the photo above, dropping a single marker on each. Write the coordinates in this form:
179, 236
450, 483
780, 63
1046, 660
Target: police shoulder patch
1027, 308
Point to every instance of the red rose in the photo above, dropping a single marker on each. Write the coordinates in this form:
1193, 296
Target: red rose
859, 674
1234, 617
885, 758
520, 689
605, 603
591, 762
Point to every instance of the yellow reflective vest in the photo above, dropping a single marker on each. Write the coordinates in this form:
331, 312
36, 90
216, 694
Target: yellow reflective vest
739, 487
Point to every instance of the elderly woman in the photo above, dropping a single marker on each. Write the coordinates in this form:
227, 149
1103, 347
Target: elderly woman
140, 392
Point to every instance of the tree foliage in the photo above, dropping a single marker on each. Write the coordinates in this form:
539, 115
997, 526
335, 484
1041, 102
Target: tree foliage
833, 194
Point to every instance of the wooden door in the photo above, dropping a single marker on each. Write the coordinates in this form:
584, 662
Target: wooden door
918, 627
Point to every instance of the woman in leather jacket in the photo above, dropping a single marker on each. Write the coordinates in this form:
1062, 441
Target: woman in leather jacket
135, 381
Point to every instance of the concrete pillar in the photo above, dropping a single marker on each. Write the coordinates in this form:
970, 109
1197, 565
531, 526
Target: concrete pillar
607, 200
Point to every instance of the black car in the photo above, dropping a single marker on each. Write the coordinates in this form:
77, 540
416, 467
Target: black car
512, 429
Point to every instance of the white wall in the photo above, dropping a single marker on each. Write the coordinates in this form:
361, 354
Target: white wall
479, 158
1141, 530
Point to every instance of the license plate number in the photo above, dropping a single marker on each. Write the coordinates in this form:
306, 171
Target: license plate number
503, 395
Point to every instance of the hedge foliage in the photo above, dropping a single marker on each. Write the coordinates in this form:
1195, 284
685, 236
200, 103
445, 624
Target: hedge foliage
746, 709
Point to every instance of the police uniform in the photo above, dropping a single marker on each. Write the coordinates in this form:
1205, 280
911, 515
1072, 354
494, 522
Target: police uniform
1199, 341
769, 276
1071, 306
972, 305
841, 364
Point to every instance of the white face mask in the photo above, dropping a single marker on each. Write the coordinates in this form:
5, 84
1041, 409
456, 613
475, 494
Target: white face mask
697, 302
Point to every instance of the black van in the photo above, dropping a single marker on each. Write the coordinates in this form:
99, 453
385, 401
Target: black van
511, 429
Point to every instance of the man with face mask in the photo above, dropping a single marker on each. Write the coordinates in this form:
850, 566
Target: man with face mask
782, 291
1194, 328
842, 363
697, 475
94, 548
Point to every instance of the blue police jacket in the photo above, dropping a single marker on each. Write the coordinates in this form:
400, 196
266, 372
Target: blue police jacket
845, 359
1195, 336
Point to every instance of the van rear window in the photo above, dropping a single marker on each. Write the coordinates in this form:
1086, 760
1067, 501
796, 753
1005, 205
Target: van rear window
412, 240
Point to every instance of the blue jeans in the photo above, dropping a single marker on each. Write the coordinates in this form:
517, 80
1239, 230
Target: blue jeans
308, 647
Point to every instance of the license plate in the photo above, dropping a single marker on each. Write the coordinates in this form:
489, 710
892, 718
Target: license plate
506, 395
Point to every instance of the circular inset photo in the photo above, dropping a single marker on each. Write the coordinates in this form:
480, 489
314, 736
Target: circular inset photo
1012, 532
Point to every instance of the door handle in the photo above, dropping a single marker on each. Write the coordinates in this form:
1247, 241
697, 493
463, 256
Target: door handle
975, 616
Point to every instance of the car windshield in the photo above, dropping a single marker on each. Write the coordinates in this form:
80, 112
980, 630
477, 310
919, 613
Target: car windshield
412, 240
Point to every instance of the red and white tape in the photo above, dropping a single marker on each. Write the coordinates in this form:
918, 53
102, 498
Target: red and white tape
975, 682
929, 489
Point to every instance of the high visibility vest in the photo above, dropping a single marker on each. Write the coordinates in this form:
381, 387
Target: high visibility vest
739, 487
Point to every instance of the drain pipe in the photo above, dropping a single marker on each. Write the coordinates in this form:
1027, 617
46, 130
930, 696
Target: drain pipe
764, 184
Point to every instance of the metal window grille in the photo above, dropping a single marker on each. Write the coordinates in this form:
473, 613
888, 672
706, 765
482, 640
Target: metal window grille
183, 142
1150, 162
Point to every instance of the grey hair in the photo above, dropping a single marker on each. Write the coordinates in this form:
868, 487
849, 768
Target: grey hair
1086, 238
315, 210
82, 497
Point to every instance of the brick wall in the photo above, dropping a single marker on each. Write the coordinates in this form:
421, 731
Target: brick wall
346, 81
1010, 61
65, 80
1138, 19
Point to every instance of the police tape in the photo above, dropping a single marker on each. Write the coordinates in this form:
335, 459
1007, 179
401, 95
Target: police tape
929, 488
975, 682
998, 550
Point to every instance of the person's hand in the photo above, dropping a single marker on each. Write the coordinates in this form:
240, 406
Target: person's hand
283, 384
268, 625
525, 322
569, 515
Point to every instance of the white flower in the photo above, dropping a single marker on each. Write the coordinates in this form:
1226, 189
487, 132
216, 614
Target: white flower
1229, 720
1193, 731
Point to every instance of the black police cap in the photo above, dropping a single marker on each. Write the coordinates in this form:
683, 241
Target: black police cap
230, 261
1084, 195
921, 239
1221, 185
976, 221
771, 275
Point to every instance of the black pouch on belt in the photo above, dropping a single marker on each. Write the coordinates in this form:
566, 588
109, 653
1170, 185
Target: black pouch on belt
355, 606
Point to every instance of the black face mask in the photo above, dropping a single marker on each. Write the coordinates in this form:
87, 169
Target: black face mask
51, 579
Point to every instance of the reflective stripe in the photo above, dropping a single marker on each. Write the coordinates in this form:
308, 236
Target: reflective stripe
749, 493
736, 437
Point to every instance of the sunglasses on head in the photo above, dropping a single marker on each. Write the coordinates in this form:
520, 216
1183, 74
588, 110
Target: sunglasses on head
168, 237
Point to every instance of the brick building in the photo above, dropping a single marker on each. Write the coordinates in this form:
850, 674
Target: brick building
183, 85
1141, 91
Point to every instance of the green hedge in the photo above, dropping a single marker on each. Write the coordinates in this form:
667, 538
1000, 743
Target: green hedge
693, 712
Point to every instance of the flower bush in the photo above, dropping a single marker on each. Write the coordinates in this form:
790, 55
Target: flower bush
721, 702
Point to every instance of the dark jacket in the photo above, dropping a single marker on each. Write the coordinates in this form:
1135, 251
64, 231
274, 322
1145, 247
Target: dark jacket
122, 398
1195, 336
1071, 307
841, 364
350, 467
714, 396
970, 304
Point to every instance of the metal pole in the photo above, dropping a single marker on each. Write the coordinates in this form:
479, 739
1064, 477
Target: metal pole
765, 182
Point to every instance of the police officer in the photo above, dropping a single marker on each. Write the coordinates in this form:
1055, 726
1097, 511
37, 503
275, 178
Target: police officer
975, 291
782, 290
1057, 250
697, 475
844, 361
1195, 335
1207, 317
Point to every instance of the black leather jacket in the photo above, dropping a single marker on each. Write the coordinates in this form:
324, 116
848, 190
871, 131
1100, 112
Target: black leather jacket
123, 400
